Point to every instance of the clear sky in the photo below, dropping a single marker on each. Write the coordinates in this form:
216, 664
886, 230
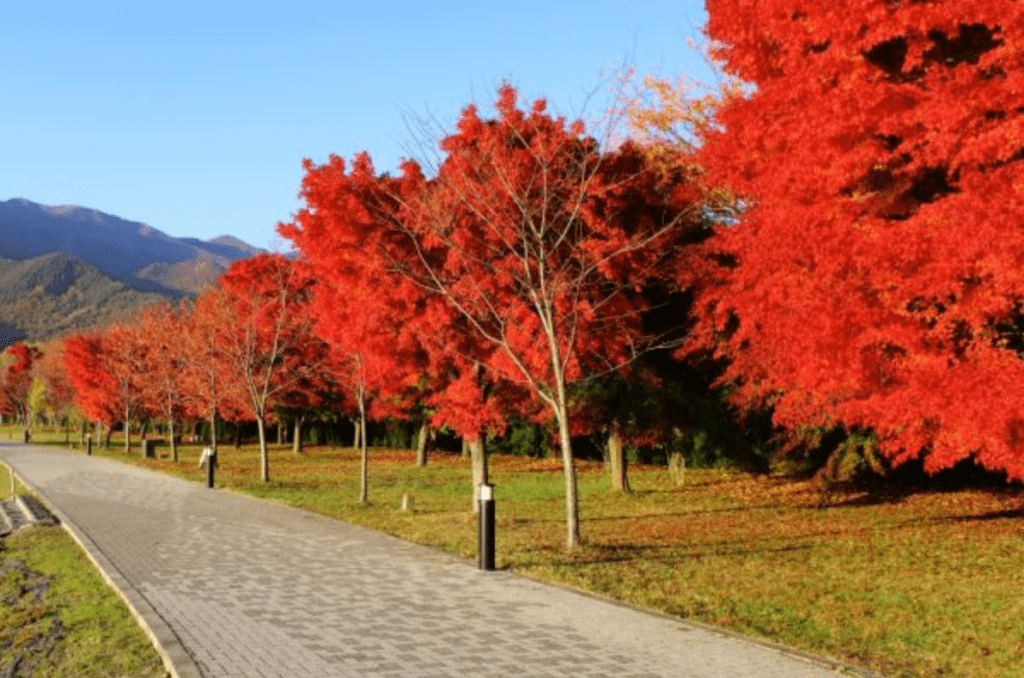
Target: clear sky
194, 117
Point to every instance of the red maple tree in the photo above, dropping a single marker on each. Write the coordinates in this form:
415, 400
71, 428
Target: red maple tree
269, 346
95, 387
875, 277
530, 239
16, 382
164, 391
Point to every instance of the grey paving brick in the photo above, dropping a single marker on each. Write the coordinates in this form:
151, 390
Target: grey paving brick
237, 587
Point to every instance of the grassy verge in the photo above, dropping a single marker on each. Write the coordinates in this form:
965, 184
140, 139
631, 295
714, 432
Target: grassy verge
58, 617
923, 585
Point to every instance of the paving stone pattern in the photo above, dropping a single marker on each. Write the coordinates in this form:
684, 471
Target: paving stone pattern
256, 590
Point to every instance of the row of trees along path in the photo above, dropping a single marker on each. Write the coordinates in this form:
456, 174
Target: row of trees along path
869, 278
496, 287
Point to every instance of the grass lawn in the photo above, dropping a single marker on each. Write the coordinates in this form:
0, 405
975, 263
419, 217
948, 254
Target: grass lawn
59, 616
924, 585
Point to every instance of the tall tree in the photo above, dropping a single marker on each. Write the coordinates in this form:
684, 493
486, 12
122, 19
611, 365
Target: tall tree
16, 384
164, 391
206, 359
875, 275
529, 238
124, 355
60, 394
269, 348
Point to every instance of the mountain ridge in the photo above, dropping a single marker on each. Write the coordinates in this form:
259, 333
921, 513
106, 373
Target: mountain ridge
66, 268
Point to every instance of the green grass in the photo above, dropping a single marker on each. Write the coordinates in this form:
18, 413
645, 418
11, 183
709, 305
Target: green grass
75, 626
917, 586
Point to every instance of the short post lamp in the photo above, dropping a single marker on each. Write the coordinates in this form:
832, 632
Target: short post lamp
88, 444
486, 546
209, 457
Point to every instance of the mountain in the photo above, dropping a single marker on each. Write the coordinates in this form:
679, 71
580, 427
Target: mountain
122, 250
66, 268
54, 294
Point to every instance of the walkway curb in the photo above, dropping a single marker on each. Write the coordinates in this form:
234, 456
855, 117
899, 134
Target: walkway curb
176, 659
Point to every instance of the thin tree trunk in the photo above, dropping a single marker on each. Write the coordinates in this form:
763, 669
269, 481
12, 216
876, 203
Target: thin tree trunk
127, 432
356, 436
174, 443
280, 432
297, 436
617, 459
238, 434
423, 444
572, 506
364, 490
465, 449
264, 457
478, 454
213, 430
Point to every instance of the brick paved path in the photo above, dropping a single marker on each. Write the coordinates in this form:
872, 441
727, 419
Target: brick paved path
236, 587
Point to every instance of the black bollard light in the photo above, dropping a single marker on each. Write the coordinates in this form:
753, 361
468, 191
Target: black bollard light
88, 445
209, 457
486, 546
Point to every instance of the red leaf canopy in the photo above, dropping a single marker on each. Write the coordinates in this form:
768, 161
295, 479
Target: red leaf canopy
880, 251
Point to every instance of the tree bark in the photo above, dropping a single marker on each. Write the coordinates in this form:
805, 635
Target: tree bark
280, 432
174, 443
264, 457
127, 432
478, 454
213, 430
357, 434
364, 488
465, 449
423, 444
617, 459
572, 506
297, 436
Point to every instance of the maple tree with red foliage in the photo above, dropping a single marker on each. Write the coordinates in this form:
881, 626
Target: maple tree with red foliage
164, 390
95, 387
16, 383
530, 241
875, 275
268, 346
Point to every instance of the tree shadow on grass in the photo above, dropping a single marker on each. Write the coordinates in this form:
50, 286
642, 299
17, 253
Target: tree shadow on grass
676, 555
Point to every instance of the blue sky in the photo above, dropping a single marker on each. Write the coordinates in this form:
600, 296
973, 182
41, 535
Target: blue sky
196, 120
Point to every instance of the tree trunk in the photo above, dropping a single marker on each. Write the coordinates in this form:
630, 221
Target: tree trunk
174, 443
213, 430
364, 490
238, 434
423, 444
264, 457
110, 434
465, 449
572, 506
127, 433
297, 436
356, 437
617, 459
280, 432
478, 453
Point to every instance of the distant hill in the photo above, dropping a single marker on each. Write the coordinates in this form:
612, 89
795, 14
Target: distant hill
119, 248
66, 268
52, 295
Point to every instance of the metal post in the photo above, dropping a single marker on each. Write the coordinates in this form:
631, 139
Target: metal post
486, 546
210, 457
88, 445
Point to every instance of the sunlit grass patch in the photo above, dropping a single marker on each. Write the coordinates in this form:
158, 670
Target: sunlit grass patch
60, 618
